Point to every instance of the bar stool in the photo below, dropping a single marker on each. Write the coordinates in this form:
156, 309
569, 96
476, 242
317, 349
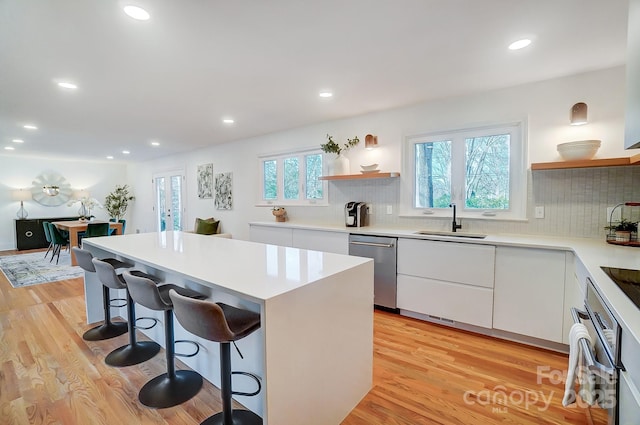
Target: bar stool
174, 387
136, 351
107, 329
224, 324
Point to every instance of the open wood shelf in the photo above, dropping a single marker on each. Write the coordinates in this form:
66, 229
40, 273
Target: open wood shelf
361, 176
588, 163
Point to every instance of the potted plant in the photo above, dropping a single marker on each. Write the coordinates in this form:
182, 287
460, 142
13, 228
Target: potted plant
623, 229
340, 164
117, 202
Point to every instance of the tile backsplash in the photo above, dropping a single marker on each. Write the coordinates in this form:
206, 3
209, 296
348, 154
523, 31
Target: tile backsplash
575, 203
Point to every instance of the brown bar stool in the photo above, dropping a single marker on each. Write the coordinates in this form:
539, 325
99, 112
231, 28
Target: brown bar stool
174, 387
224, 324
136, 351
107, 329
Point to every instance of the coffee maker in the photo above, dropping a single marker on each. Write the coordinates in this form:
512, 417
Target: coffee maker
355, 214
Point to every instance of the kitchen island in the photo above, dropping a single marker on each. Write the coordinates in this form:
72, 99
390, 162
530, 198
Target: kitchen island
314, 350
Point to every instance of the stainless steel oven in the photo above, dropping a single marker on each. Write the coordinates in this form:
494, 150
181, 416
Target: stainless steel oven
600, 360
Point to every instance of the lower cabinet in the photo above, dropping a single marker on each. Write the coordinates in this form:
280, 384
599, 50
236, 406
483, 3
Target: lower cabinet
448, 280
282, 236
446, 300
529, 292
315, 240
628, 401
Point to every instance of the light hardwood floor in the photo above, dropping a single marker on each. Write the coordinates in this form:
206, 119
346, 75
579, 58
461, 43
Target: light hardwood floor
50, 375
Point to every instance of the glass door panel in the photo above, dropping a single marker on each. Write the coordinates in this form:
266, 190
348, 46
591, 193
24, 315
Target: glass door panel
168, 188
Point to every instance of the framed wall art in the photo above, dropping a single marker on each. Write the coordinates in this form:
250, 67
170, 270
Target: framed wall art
205, 181
224, 194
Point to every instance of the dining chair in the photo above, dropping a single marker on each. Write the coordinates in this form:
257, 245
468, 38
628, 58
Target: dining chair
113, 220
94, 230
47, 236
58, 240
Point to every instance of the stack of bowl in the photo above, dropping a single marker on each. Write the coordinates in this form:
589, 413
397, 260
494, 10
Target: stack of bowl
580, 150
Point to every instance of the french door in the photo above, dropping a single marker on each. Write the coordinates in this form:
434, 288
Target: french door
169, 193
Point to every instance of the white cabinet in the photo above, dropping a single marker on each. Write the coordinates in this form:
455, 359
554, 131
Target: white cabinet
449, 280
632, 110
529, 292
575, 279
628, 401
321, 240
315, 240
450, 261
271, 235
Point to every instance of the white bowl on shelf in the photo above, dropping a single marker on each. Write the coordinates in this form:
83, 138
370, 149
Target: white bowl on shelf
371, 167
580, 150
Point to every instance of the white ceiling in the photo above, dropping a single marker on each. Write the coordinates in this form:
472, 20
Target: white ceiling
263, 62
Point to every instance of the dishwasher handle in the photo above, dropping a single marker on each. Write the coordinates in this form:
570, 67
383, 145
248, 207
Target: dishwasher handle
379, 245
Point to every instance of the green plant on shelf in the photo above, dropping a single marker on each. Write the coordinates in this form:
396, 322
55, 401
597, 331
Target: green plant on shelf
623, 225
332, 147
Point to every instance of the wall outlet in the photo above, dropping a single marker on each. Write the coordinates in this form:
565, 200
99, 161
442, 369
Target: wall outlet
539, 212
617, 215
369, 209
389, 209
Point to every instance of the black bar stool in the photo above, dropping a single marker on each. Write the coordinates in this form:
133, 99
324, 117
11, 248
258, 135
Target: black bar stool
107, 329
174, 387
224, 324
136, 351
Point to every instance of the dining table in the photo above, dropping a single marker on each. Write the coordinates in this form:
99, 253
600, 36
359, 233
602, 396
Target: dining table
76, 226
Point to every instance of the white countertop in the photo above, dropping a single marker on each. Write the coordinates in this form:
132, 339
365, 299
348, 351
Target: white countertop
249, 269
592, 253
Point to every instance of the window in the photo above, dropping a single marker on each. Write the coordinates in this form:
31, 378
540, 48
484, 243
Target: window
292, 179
482, 170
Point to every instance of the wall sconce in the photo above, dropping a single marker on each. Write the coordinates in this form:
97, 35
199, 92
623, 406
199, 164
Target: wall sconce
579, 114
51, 190
370, 141
21, 195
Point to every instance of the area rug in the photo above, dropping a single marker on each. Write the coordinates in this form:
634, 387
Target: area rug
32, 269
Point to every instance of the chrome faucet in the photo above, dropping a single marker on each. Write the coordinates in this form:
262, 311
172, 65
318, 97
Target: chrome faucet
454, 225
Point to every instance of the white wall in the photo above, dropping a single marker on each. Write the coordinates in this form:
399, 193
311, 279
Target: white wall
18, 172
544, 104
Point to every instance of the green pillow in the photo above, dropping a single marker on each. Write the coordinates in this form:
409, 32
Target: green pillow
207, 226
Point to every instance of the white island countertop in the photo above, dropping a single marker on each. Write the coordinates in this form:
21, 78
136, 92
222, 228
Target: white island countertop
315, 342
250, 269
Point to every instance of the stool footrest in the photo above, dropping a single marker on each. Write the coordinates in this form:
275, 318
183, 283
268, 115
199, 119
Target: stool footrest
112, 304
187, 342
250, 375
144, 328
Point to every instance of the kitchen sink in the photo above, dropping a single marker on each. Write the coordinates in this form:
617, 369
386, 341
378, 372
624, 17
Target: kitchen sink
453, 234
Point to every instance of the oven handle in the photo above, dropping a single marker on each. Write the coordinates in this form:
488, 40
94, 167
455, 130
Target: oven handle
585, 346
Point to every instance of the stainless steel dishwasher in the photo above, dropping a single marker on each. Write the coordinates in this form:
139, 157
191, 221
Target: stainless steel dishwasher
383, 251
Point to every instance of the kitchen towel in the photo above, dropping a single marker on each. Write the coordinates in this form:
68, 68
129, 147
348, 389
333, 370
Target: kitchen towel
577, 332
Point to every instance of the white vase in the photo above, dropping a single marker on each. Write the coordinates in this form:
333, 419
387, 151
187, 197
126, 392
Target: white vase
339, 166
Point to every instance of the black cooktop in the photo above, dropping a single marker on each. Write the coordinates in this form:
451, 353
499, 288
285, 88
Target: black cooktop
628, 280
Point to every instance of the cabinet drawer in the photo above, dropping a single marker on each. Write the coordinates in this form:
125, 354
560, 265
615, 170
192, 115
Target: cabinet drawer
271, 235
320, 240
628, 401
458, 302
471, 264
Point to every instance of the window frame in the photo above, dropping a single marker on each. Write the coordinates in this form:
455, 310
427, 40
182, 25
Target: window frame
517, 172
279, 157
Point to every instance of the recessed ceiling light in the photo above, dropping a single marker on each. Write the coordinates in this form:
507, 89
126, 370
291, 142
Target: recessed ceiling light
137, 13
228, 121
126, 152
325, 94
155, 143
520, 44
30, 127
9, 148
67, 85
110, 157
18, 141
